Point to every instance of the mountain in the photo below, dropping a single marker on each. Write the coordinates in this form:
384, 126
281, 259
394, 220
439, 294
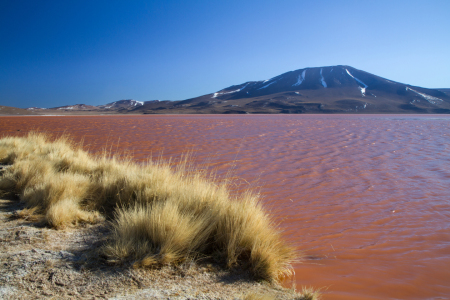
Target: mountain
334, 89
121, 106
117, 105
76, 107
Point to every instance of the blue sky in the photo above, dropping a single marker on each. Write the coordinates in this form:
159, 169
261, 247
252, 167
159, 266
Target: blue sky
55, 53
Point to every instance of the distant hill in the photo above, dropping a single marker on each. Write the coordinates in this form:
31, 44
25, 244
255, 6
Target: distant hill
8, 111
76, 107
122, 104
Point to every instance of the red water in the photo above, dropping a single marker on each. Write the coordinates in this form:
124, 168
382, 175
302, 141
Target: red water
365, 197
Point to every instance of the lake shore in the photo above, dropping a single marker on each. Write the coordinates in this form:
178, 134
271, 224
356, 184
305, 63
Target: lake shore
40, 262
77, 226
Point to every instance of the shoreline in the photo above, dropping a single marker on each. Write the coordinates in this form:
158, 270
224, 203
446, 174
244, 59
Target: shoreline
81, 226
40, 262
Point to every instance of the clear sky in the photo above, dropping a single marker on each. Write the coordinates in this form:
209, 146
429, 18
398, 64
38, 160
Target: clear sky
55, 53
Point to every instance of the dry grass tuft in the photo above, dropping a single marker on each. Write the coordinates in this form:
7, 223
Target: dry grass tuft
310, 294
158, 215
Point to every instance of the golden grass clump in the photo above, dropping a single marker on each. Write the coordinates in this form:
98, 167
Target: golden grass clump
158, 215
310, 294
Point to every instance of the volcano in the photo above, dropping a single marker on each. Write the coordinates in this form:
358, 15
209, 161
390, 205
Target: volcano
334, 89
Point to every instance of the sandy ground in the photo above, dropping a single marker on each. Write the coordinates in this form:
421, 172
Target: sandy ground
42, 263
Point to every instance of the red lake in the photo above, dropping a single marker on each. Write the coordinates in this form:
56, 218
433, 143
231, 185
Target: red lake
364, 197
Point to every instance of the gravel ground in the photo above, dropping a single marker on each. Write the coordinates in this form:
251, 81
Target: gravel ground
41, 263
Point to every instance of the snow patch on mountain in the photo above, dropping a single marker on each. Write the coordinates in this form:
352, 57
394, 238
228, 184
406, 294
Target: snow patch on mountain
365, 85
429, 98
36, 108
267, 85
363, 88
300, 79
322, 79
112, 104
363, 91
270, 79
127, 104
235, 91
136, 103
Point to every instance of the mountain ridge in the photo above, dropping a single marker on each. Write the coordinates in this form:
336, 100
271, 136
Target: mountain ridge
328, 89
